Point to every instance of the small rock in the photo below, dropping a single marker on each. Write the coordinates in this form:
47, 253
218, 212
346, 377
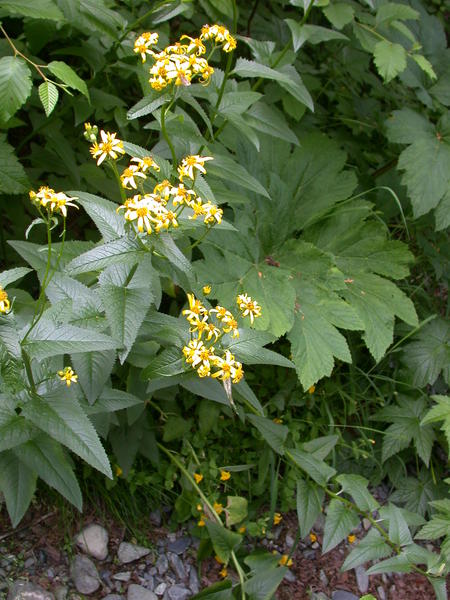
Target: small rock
194, 583
319, 523
113, 597
153, 571
290, 577
323, 578
22, 590
362, 579
381, 593
171, 537
343, 595
93, 540
162, 564
315, 545
29, 562
309, 554
155, 517
160, 589
289, 541
177, 566
180, 545
366, 524
138, 592
178, 592
129, 552
61, 592
122, 576
318, 596
84, 575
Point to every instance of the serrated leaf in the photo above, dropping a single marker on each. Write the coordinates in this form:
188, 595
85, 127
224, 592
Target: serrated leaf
102, 18
312, 34
205, 388
45, 457
62, 418
223, 540
263, 585
236, 103
37, 9
15, 85
392, 11
14, 429
48, 95
309, 505
425, 65
435, 528
68, 76
356, 486
111, 400
339, 522
371, 547
321, 447
390, 59
317, 469
147, 105
12, 275
273, 433
428, 353
226, 168
397, 564
248, 348
18, 483
169, 362
295, 86
268, 119
93, 370
236, 510
120, 251
398, 527
339, 14
13, 179
439, 412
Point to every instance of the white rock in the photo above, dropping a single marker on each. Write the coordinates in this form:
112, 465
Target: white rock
23, 590
93, 540
130, 552
84, 575
362, 579
138, 592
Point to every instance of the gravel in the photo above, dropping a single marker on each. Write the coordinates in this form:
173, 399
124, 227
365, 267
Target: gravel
130, 552
138, 592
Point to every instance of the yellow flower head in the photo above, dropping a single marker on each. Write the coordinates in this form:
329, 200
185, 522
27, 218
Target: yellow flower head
224, 475
312, 389
223, 572
143, 44
313, 537
145, 163
118, 471
198, 477
220, 35
5, 304
285, 561
195, 309
277, 518
199, 507
229, 368
201, 522
248, 306
218, 507
90, 132
68, 376
109, 146
351, 538
206, 289
242, 529
51, 200
277, 420
189, 163
129, 177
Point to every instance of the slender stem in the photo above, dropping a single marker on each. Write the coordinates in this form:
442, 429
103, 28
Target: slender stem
200, 239
165, 109
19, 53
114, 169
28, 369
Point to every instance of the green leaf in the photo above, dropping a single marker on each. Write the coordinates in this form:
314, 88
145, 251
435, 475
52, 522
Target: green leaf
339, 14
312, 34
439, 412
48, 95
93, 370
273, 433
217, 591
309, 505
435, 528
248, 348
14, 429
397, 564
46, 457
111, 400
104, 214
12, 275
393, 11
37, 9
13, 179
428, 353
121, 251
18, 483
398, 527
425, 65
206, 388
263, 585
148, 105
236, 103
317, 469
339, 522
390, 59
102, 18
236, 510
371, 547
169, 362
270, 120
251, 68
46, 340
226, 168
356, 486
295, 86
68, 76
63, 419
321, 446
15, 85
223, 540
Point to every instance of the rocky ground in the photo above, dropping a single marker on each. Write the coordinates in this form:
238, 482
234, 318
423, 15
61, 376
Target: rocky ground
42, 562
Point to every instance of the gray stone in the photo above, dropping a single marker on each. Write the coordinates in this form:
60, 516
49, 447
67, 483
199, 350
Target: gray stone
362, 579
315, 545
381, 593
178, 592
138, 592
129, 552
366, 524
162, 564
180, 545
289, 541
160, 589
323, 578
319, 596
61, 592
290, 577
22, 590
194, 583
343, 595
309, 554
84, 575
155, 517
29, 562
93, 540
113, 597
177, 566
122, 576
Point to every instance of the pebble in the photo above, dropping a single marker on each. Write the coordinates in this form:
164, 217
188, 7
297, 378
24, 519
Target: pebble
178, 592
319, 596
323, 578
122, 576
162, 564
180, 545
381, 593
194, 583
155, 517
61, 592
309, 554
343, 595
29, 562
113, 597
290, 577
315, 545
93, 540
366, 523
160, 589
138, 592
177, 566
22, 590
130, 552
84, 575
289, 541
362, 579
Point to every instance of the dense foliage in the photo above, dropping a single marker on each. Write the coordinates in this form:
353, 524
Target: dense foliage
278, 177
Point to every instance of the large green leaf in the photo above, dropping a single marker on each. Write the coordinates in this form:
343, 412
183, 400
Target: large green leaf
37, 9
273, 433
312, 34
223, 540
93, 370
14, 429
263, 585
317, 469
68, 76
12, 275
120, 251
428, 353
15, 85
248, 348
371, 547
63, 419
18, 483
439, 412
390, 59
356, 486
13, 179
309, 505
339, 522
104, 214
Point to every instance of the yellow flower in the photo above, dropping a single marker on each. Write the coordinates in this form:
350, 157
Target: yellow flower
313, 537
351, 538
218, 559
218, 507
189, 163
109, 146
285, 561
231, 325
213, 214
198, 477
194, 44
181, 195
312, 389
118, 471
199, 507
68, 375
4, 301
51, 200
206, 289
195, 309
223, 572
224, 475
228, 368
144, 42
242, 529
201, 522
248, 306
277, 518
145, 163
278, 420
129, 175
230, 44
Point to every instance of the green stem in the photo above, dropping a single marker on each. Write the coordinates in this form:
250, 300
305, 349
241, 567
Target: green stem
28, 369
114, 169
165, 109
200, 239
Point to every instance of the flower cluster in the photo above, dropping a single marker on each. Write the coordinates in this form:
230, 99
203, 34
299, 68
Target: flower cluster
161, 208
51, 200
68, 376
4, 301
109, 146
182, 62
207, 327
